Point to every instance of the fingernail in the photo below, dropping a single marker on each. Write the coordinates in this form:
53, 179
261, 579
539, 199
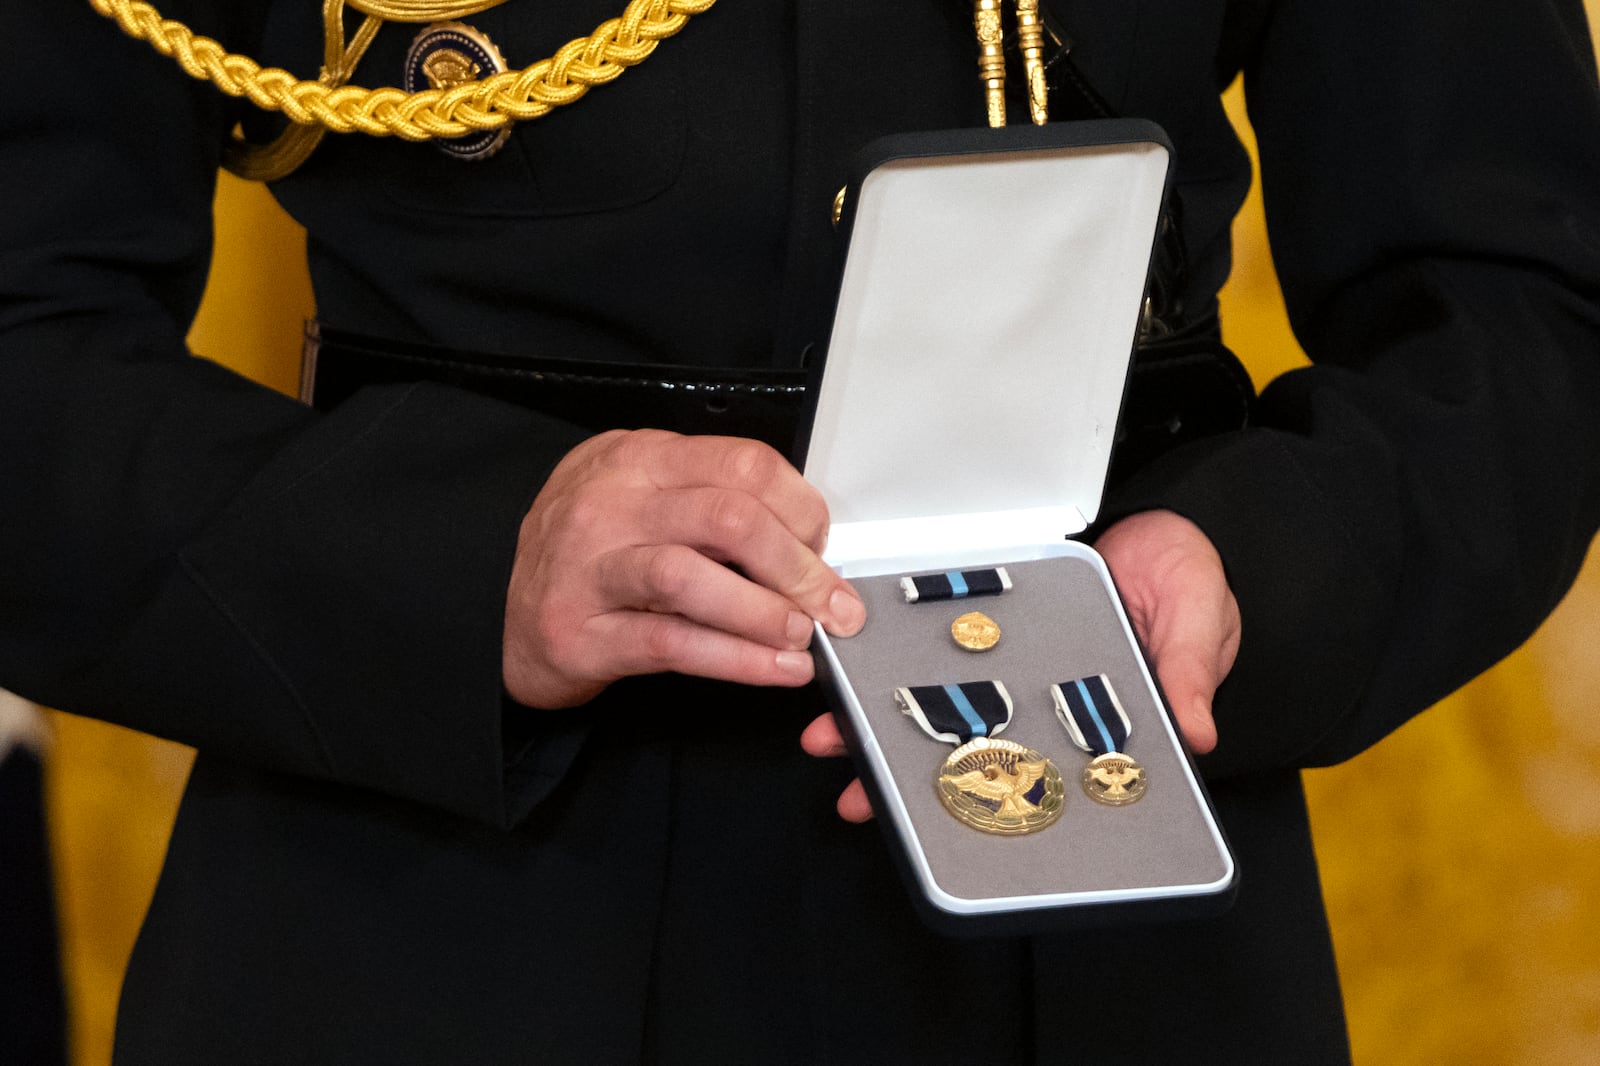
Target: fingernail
796, 663
849, 613
798, 629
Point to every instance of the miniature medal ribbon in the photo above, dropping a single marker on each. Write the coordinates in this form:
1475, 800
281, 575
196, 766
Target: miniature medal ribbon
1096, 722
994, 786
954, 584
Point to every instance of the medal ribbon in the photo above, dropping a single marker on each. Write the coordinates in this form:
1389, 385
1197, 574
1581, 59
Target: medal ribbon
956, 714
1092, 714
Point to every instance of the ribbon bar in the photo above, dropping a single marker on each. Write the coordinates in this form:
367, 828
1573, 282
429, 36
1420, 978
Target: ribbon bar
954, 584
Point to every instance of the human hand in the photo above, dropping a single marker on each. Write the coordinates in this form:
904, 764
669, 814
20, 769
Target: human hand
620, 569
823, 739
1177, 596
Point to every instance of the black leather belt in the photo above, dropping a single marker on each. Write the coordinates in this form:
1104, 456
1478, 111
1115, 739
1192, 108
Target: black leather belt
1181, 386
763, 404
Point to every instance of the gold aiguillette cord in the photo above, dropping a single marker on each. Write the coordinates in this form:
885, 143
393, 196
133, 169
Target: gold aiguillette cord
331, 103
992, 58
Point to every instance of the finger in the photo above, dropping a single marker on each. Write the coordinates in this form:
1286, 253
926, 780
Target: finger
1176, 591
1195, 722
1189, 675
853, 805
640, 642
676, 579
732, 525
822, 738
748, 466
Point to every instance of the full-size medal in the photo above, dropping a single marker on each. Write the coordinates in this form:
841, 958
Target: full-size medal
992, 785
445, 55
975, 631
999, 786
1096, 722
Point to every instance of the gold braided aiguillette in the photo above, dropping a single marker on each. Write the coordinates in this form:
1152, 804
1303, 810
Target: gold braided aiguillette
330, 104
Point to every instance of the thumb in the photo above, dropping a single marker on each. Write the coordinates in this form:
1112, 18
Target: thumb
1189, 675
1177, 595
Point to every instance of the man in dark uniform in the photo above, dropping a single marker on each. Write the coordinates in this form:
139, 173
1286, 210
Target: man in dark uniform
436, 820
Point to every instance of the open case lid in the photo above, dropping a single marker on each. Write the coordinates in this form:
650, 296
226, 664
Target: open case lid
981, 340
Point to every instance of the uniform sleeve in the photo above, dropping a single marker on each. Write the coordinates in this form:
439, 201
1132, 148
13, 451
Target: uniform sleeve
1408, 509
191, 555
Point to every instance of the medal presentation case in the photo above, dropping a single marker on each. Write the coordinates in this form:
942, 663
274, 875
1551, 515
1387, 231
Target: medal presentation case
1021, 759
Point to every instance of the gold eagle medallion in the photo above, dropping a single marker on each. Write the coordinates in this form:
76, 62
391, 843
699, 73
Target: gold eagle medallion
1000, 786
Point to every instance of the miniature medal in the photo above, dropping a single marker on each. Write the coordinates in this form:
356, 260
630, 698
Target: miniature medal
975, 631
445, 55
1094, 718
995, 786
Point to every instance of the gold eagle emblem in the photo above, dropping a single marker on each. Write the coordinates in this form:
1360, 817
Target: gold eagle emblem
999, 786
448, 68
1005, 784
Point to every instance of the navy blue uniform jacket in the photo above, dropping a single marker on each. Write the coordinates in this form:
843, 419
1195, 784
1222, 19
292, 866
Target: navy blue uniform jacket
379, 860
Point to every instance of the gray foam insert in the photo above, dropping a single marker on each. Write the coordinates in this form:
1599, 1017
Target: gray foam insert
1057, 623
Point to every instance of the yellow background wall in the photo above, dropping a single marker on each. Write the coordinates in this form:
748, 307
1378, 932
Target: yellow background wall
1461, 857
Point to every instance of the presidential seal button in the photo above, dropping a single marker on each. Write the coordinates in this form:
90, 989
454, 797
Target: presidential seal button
445, 55
1114, 779
975, 631
999, 786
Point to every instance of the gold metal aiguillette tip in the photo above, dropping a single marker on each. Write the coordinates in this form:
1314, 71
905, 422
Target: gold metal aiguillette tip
991, 58
1030, 41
